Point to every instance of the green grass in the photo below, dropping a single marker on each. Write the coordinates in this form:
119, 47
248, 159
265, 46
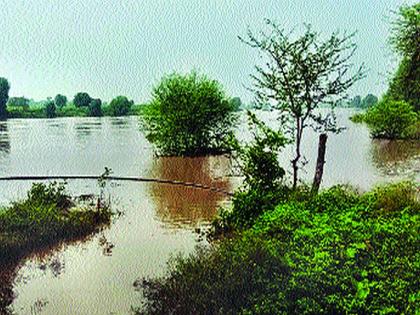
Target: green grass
340, 252
45, 218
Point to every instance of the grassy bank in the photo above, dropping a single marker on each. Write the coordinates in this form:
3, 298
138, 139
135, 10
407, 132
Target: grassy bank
339, 252
46, 217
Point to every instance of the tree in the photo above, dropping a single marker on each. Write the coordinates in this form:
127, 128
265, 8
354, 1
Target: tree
60, 101
369, 101
301, 74
391, 119
120, 106
95, 108
4, 96
405, 39
188, 115
50, 109
82, 99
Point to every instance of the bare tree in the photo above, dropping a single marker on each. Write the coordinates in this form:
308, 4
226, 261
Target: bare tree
301, 74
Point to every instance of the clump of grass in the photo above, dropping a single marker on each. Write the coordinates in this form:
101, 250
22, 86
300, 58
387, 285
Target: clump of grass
46, 217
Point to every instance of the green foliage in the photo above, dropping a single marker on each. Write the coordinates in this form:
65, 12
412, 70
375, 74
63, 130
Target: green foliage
258, 164
120, 106
188, 115
4, 96
45, 217
50, 109
82, 99
335, 253
236, 103
95, 108
405, 39
391, 119
60, 101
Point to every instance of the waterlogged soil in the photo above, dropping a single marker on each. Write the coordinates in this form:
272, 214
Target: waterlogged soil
96, 275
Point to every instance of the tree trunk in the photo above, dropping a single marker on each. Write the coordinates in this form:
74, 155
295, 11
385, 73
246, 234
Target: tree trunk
319, 170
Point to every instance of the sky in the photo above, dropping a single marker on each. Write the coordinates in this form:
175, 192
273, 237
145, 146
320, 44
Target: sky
124, 47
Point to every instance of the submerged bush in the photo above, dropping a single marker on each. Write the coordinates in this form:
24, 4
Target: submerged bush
47, 216
188, 115
335, 253
391, 119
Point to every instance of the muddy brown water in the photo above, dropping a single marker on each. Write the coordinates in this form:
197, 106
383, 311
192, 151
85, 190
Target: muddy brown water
96, 276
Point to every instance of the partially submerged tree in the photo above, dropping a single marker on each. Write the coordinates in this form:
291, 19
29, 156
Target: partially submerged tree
301, 74
4, 96
189, 115
50, 109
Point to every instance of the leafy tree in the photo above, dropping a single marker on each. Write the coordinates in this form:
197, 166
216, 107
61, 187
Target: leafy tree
120, 106
60, 101
4, 96
50, 109
391, 119
82, 99
95, 108
301, 74
369, 101
18, 102
405, 39
188, 115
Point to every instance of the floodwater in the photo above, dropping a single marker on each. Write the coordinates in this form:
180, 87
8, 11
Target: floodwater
96, 276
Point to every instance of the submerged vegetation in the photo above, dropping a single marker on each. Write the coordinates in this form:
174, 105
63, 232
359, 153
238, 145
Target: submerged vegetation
397, 114
189, 115
46, 217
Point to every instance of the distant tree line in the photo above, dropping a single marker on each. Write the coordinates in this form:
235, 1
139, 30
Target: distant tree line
366, 102
82, 104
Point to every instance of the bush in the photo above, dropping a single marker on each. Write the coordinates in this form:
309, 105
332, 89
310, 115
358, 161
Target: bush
188, 115
120, 106
391, 119
47, 216
335, 253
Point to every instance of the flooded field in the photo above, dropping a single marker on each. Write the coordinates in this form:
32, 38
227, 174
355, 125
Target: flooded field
96, 276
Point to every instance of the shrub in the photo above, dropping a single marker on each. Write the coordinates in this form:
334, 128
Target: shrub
45, 217
391, 119
188, 115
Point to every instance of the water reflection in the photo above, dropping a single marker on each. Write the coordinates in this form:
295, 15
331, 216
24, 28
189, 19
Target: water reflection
396, 157
4, 139
179, 206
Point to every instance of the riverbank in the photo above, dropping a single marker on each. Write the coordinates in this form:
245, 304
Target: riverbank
46, 218
339, 252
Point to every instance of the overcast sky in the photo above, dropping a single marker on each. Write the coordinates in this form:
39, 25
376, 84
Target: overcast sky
111, 47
